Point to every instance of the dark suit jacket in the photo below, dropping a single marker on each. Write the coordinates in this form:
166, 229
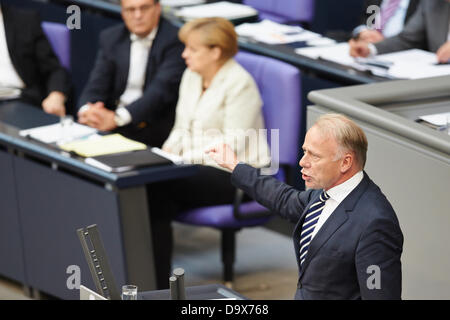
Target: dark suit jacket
427, 29
409, 12
153, 114
362, 232
32, 56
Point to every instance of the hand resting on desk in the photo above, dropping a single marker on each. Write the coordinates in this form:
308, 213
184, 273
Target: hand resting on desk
97, 116
359, 48
443, 53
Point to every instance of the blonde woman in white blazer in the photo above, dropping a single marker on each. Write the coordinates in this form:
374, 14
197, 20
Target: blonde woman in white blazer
219, 102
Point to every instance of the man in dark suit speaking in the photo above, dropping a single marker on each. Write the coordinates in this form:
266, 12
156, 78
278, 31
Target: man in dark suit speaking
133, 87
347, 238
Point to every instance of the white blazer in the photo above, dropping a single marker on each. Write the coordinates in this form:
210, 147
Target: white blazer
229, 111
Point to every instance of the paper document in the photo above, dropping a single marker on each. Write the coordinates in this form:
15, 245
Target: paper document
180, 3
112, 143
339, 53
409, 56
172, 157
274, 33
439, 119
9, 93
414, 64
223, 9
57, 132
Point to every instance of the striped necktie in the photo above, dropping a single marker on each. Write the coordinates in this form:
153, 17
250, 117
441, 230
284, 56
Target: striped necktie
311, 218
388, 12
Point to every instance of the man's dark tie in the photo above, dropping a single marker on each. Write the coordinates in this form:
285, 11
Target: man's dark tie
311, 218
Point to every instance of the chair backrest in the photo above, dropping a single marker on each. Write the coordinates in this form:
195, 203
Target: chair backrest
59, 37
284, 11
280, 88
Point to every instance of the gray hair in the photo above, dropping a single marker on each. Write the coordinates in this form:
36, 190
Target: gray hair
348, 135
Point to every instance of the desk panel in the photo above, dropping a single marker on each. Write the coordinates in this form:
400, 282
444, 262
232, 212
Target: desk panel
11, 246
53, 205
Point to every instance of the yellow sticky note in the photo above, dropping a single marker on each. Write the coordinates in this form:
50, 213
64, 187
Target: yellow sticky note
112, 143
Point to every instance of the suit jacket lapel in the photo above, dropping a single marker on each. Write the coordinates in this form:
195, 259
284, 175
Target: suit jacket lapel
335, 221
10, 34
123, 58
337, 218
157, 44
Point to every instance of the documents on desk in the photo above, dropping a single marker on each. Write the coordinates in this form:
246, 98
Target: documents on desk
438, 121
274, 33
338, 53
101, 145
58, 132
9, 93
181, 3
126, 161
414, 64
408, 64
172, 157
223, 9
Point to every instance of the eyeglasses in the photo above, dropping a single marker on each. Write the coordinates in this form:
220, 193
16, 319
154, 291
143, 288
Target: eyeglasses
144, 9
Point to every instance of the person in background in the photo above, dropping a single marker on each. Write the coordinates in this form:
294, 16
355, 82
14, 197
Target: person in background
347, 239
394, 14
30, 71
133, 88
428, 29
219, 102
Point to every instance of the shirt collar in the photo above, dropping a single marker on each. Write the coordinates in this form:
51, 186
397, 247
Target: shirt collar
341, 191
147, 39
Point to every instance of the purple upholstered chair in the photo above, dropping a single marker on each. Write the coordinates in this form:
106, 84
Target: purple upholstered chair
279, 85
59, 37
284, 11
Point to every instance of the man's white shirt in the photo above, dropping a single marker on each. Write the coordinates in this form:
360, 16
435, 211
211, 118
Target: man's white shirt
337, 195
9, 78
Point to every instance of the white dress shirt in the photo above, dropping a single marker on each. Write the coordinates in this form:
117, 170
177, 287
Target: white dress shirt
9, 78
337, 195
395, 23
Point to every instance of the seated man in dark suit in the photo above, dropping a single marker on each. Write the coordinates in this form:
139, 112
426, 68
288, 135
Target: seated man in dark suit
394, 14
133, 88
29, 69
428, 29
347, 238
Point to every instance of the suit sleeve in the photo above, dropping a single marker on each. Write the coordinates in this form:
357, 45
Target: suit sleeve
56, 76
100, 82
163, 89
277, 196
413, 35
378, 261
